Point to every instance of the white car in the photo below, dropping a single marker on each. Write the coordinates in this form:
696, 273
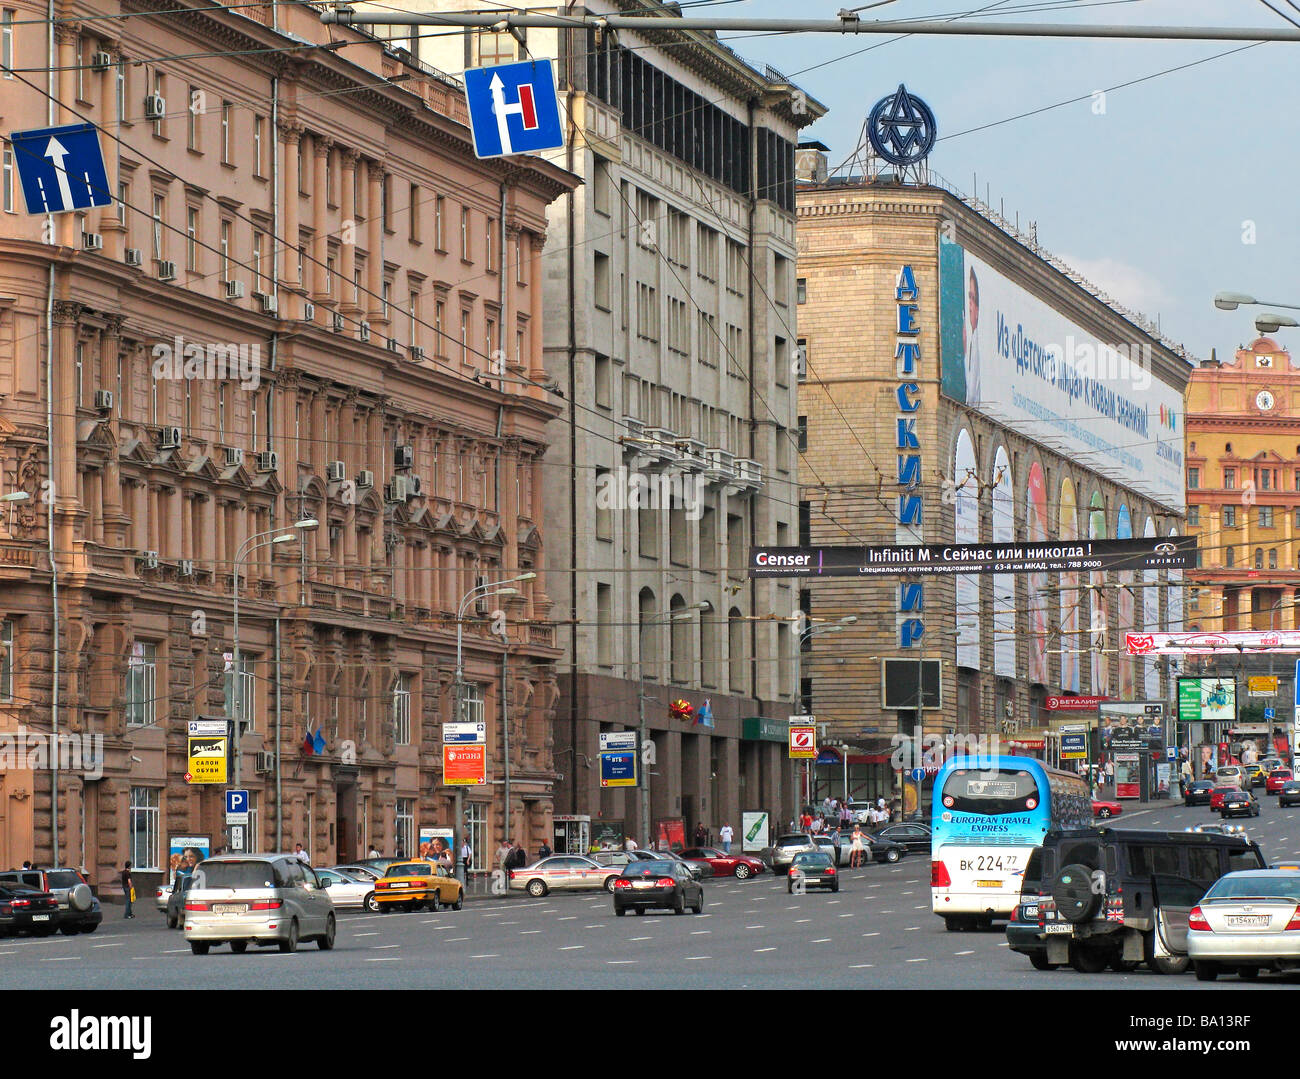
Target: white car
1230, 775
346, 891
161, 895
1246, 923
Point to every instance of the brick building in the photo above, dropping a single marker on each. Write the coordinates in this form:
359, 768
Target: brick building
313, 219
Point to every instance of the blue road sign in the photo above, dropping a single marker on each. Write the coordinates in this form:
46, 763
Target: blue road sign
618, 769
61, 168
917, 774
513, 108
236, 802
1270, 713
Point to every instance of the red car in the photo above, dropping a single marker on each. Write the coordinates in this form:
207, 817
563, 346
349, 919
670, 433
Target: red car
740, 866
1106, 809
1277, 777
1217, 795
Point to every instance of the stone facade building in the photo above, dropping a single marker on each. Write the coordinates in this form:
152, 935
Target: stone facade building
307, 300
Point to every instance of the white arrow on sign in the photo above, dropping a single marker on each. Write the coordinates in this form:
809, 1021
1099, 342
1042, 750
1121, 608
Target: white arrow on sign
502, 110
56, 152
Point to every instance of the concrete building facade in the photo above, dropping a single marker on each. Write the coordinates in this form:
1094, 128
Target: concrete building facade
308, 300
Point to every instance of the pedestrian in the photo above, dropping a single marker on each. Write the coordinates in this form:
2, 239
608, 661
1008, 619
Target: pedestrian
835, 842
517, 858
701, 835
128, 889
466, 855
629, 844
374, 852
845, 815
543, 851
1185, 776
855, 847
301, 854
28, 865
725, 835
503, 854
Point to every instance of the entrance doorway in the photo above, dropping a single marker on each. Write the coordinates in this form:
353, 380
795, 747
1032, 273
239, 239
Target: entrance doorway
345, 830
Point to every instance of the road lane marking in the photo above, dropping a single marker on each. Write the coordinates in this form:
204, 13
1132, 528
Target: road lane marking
757, 950
871, 934
385, 947
915, 960
820, 940
692, 958
569, 918
755, 927
800, 921
700, 932
640, 938
911, 928
384, 959
525, 932
573, 947
862, 966
846, 915
971, 952
119, 945
493, 956
58, 958
375, 934
454, 940
619, 962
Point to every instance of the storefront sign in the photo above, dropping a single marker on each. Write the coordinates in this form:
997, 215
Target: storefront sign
1074, 704
803, 743
207, 759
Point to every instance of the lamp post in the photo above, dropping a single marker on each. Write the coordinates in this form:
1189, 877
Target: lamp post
482, 591
656, 620
248, 546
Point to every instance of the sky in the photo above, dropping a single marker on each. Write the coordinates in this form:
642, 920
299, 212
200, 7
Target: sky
1161, 193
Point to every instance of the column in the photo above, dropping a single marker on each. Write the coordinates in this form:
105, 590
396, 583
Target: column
65, 36
292, 132
63, 469
316, 447
109, 227
320, 148
115, 521
348, 246
375, 248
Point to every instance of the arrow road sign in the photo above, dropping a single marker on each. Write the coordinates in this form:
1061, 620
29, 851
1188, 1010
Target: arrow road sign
61, 168
513, 108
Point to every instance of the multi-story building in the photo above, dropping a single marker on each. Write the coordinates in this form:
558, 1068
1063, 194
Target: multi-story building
671, 275
961, 387
308, 300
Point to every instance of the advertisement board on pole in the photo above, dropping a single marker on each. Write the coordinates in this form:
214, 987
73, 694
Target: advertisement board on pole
464, 765
1262, 685
207, 759
803, 743
618, 768
753, 831
433, 841
184, 852
1211, 700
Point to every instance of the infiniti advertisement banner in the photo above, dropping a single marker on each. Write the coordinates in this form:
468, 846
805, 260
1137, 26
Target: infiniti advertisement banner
1010, 356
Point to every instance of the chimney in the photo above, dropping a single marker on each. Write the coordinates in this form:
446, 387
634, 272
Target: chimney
810, 163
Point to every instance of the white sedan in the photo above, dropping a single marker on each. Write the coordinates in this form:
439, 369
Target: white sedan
346, 890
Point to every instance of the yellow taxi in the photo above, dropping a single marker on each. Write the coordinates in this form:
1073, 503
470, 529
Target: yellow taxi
416, 883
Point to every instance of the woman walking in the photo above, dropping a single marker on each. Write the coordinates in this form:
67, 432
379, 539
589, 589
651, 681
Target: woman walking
855, 848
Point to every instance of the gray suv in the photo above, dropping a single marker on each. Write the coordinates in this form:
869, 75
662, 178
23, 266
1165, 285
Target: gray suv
261, 899
787, 846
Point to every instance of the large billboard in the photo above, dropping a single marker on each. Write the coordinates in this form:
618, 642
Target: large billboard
1010, 356
1207, 700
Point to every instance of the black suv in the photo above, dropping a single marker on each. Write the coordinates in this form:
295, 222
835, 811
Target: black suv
79, 910
1119, 897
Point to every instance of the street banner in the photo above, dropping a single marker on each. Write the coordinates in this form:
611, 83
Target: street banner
464, 765
1051, 556
207, 760
1074, 704
1230, 642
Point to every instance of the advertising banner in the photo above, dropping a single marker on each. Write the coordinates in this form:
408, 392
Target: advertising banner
803, 743
1008, 355
1052, 556
1098, 623
1207, 700
671, 834
1123, 531
1128, 775
433, 841
753, 831
184, 852
1074, 747
607, 835
966, 529
1262, 685
1036, 586
464, 765
207, 759
1070, 597
1074, 704
1004, 584
618, 768
1150, 619
1228, 642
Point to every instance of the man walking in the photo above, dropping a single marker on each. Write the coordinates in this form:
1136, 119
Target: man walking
724, 834
128, 889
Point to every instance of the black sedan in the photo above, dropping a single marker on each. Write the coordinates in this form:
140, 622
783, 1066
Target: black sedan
812, 869
662, 884
24, 909
1289, 795
1198, 792
915, 838
1239, 803
883, 850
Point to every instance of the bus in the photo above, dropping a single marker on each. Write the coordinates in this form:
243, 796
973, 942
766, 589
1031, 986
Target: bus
990, 812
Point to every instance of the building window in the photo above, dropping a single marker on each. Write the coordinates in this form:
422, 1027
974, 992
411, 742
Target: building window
1259, 557
464, 235
159, 87
10, 174
191, 238
491, 243
471, 706
803, 433
601, 185
439, 205
1194, 479
254, 834
259, 131
1229, 557
1265, 516
413, 214
1229, 516
476, 825
402, 710
801, 290
145, 825
1193, 515
141, 684
1230, 479
495, 48
159, 214
225, 251
7, 18
6, 660
193, 109
1272, 558
258, 242
225, 132
405, 837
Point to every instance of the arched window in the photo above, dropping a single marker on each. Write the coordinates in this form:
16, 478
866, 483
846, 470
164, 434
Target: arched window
1259, 557
679, 642
647, 639
1229, 556
736, 627
1272, 558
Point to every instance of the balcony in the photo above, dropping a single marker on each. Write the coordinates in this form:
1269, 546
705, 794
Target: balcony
749, 477
719, 465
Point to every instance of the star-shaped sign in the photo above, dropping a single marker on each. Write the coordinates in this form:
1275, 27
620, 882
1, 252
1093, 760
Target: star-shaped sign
901, 128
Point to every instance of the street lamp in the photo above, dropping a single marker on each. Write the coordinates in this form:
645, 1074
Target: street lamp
1230, 301
1270, 322
249, 545
655, 620
478, 592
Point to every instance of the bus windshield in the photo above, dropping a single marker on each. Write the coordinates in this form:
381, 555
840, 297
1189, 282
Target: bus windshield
991, 792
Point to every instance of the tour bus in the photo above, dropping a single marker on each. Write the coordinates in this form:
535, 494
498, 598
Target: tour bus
990, 812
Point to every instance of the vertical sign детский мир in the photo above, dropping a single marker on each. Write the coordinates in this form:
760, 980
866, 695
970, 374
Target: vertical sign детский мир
907, 354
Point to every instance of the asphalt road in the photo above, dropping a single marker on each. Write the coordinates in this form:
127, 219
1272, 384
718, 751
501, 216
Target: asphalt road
878, 932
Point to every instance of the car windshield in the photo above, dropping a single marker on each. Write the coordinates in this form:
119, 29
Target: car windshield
1256, 886
409, 869
645, 869
235, 875
809, 858
1003, 790
792, 841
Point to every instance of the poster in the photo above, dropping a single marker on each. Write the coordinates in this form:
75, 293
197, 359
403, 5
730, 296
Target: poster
1124, 530
1150, 686
966, 529
184, 852
671, 834
607, 835
1036, 583
1098, 618
1070, 597
433, 841
464, 765
753, 831
1004, 584
1128, 775
1207, 700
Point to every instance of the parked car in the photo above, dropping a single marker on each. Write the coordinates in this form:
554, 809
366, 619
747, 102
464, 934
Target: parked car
646, 885
160, 896
914, 837
413, 884
883, 850
699, 869
176, 899
345, 889
24, 909
1242, 803
1289, 795
816, 868
568, 872
1113, 897
1276, 779
740, 866
1246, 922
260, 899
1105, 810
79, 910
828, 846
1198, 792
787, 846
361, 870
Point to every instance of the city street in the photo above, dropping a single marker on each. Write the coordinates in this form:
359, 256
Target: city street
876, 932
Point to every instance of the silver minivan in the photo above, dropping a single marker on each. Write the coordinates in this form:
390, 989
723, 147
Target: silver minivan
261, 899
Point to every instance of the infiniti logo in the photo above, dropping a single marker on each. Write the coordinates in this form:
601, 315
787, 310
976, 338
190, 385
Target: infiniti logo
1166, 548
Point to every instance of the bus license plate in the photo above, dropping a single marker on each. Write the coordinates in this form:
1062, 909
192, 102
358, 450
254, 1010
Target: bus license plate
1063, 928
988, 884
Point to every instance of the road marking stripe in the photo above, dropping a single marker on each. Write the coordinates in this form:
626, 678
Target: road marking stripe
971, 952
573, 947
384, 959
757, 950
846, 915
453, 940
820, 940
375, 934
640, 938
494, 956
871, 934
700, 932
58, 958
915, 960
691, 958
619, 962
755, 927
384, 947
525, 932
862, 966
119, 945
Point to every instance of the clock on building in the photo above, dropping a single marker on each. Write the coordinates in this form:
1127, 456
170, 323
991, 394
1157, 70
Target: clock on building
1264, 400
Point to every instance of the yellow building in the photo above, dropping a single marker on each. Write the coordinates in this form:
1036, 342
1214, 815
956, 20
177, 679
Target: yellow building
1243, 490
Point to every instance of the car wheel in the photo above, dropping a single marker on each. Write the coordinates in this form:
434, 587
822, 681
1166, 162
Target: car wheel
1164, 964
953, 925
171, 921
1103, 813
640, 911
435, 902
537, 888
1248, 974
460, 901
699, 904
1088, 960
743, 871
1121, 965
89, 928
789, 889
1039, 961
1206, 972
239, 947
371, 904
200, 947
679, 905
892, 856
291, 945
609, 884
835, 887
620, 912
326, 942
1073, 894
